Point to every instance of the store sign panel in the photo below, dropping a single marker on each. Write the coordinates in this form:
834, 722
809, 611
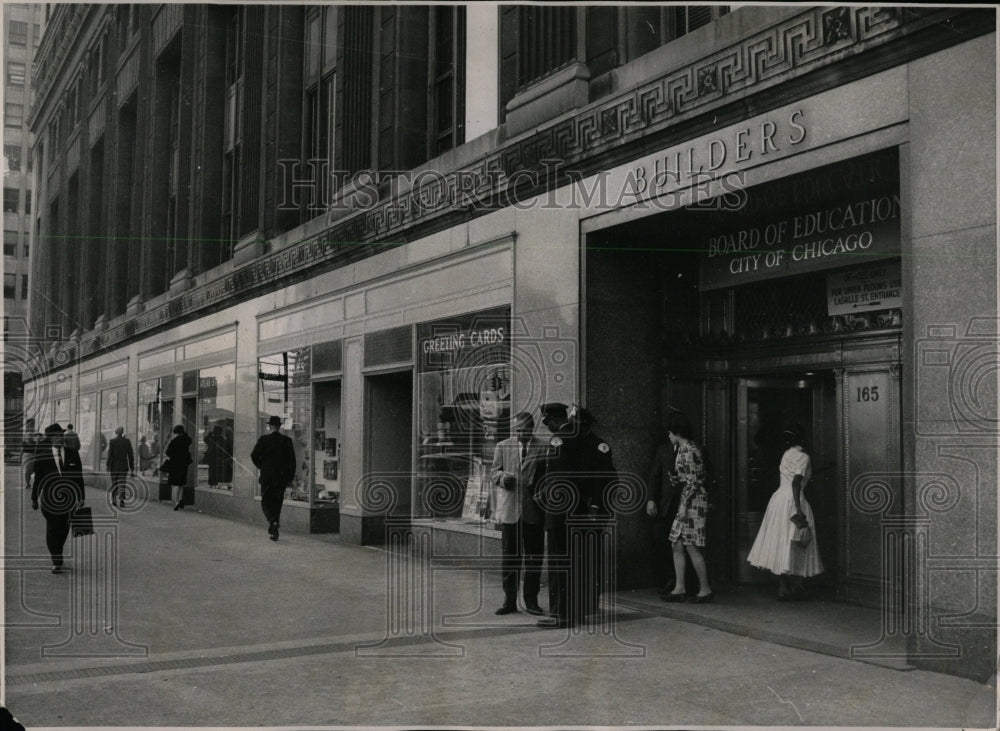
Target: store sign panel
465, 340
845, 214
865, 289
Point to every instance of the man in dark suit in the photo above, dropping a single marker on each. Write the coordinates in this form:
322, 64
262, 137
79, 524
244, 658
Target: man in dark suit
274, 456
121, 463
522, 531
57, 490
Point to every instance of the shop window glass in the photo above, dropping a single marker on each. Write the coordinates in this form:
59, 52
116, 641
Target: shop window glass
326, 444
284, 390
149, 427
216, 406
86, 428
113, 405
9, 285
464, 410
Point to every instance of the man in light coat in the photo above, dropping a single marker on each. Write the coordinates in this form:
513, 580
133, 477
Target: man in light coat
515, 469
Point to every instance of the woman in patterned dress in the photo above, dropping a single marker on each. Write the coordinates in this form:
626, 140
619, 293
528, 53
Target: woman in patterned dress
788, 509
687, 534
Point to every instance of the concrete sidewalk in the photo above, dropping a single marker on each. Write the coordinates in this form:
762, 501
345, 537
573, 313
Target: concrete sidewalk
192, 620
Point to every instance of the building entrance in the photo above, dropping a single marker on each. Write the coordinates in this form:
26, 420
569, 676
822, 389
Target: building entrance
765, 407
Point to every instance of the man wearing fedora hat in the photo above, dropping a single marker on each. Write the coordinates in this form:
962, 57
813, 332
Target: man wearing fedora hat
57, 490
274, 456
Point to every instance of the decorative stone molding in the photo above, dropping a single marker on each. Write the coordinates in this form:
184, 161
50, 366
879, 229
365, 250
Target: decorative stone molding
134, 306
181, 281
554, 95
802, 43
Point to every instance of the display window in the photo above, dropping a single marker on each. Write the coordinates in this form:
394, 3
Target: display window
149, 439
113, 415
463, 412
326, 444
284, 390
216, 405
86, 428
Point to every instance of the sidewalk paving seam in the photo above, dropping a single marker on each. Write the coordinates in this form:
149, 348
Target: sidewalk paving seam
325, 648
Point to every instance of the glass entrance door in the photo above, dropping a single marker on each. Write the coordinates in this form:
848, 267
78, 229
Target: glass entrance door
765, 407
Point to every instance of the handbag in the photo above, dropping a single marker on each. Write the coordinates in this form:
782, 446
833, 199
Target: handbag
82, 522
802, 536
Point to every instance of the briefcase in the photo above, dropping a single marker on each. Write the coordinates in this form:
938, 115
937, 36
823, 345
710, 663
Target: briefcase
82, 522
164, 487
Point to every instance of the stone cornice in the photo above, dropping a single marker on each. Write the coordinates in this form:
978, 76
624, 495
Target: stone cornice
725, 82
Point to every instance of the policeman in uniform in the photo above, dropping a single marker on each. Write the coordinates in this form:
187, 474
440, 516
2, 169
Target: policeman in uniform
578, 462
598, 473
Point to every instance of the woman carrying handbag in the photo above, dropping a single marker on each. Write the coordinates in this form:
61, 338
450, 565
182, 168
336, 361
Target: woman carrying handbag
178, 455
786, 542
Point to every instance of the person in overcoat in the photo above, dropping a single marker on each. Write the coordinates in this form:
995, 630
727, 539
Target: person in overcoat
178, 459
515, 467
57, 490
274, 456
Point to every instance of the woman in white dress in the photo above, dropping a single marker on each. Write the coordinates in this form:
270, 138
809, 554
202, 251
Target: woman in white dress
788, 509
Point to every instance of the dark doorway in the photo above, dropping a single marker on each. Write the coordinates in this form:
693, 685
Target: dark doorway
765, 406
389, 434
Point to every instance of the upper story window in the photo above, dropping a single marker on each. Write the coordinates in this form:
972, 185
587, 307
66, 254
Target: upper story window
13, 155
447, 78
10, 200
13, 115
17, 33
15, 73
128, 24
320, 99
617, 35
36, 34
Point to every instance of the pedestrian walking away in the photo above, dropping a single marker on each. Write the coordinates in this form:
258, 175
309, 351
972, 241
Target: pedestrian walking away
120, 464
687, 534
775, 548
274, 456
57, 490
178, 459
516, 466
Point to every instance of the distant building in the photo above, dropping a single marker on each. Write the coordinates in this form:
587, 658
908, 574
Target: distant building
22, 32
395, 225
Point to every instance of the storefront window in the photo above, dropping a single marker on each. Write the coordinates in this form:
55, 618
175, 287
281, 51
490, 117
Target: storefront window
86, 428
149, 430
464, 410
216, 405
326, 444
113, 403
285, 391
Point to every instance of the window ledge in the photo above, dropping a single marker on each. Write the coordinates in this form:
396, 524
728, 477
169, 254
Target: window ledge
566, 89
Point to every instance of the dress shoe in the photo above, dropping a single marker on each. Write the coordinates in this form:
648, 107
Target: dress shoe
534, 609
57, 569
179, 505
506, 609
273, 530
702, 599
682, 597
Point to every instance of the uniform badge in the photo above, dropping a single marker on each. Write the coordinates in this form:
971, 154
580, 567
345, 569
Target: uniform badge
556, 442
603, 447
